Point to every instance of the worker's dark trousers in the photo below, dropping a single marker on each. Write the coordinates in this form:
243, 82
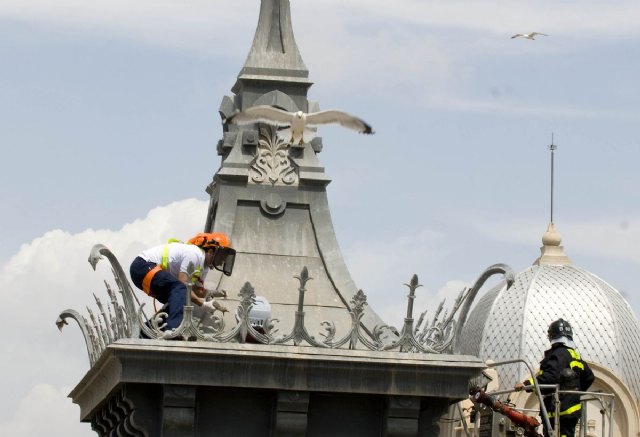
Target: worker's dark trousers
164, 287
567, 426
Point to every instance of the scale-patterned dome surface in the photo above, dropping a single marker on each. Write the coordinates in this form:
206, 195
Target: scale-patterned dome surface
512, 323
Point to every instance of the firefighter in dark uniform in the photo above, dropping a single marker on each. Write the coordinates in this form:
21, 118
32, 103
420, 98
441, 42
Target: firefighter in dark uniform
563, 365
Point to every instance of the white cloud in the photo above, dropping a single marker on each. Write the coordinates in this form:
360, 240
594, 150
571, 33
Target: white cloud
45, 410
49, 275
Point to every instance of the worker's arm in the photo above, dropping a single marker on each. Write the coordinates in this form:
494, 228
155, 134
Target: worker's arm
586, 377
525, 385
201, 291
550, 369
218, 292
549, 372
184, 278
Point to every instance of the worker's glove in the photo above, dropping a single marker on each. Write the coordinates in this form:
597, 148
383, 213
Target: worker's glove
212, 306
223, 309
208, 305
219, 293
198, 287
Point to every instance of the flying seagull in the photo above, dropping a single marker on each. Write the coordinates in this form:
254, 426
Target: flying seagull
299, 127
531, 35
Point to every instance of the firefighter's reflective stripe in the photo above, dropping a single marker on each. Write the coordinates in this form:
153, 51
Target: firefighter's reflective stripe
532, 381
577, 364
577, 360
146, 281
570, 410
574, 354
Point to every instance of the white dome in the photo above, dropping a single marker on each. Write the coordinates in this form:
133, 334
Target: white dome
512, 323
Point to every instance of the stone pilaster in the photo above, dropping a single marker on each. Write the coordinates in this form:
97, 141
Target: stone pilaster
178, 410
291, 414
402, 416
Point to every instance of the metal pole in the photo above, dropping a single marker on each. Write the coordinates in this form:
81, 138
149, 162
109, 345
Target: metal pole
536, 387
556, 416
552, 147
583, 419
612, 409
463, 419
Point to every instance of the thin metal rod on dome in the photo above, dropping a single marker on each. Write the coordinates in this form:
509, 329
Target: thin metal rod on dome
553, 148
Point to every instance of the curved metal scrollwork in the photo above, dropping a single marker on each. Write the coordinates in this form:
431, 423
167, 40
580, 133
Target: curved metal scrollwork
495, 269
114, 321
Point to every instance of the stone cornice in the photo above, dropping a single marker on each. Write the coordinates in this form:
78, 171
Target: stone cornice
273, 367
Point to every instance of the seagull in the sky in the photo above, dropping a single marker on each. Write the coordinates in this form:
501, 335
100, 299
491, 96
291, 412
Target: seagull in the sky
531, 35
299, 127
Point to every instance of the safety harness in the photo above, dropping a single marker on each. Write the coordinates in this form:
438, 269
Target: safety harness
164, 265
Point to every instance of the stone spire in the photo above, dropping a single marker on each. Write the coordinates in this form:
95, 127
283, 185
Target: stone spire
274, 60
274, 54
551, 252
270, 196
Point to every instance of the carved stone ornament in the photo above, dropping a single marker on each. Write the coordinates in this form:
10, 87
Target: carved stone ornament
272, 163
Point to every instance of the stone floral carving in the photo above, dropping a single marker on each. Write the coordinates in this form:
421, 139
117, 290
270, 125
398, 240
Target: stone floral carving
272, 163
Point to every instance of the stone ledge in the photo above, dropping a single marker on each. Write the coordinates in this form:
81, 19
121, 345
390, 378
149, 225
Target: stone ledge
268, 367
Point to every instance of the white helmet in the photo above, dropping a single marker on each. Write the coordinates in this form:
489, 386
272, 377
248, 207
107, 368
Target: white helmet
259, 314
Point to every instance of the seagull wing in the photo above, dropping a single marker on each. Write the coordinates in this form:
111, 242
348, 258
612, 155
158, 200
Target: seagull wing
538, 33
262, 114
341, 118
517, 35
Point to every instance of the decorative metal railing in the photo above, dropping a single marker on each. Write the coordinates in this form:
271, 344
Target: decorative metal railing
124, 317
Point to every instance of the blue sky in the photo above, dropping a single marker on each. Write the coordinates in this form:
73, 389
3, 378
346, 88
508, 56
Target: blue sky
108, 128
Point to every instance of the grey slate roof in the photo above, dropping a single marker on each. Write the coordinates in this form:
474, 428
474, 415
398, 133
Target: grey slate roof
512, 323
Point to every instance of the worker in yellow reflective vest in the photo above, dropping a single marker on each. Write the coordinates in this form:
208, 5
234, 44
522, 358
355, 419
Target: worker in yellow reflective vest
164, 271
563, 365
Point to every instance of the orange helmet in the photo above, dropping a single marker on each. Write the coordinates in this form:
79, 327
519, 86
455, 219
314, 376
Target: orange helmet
207, 240
224, 256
